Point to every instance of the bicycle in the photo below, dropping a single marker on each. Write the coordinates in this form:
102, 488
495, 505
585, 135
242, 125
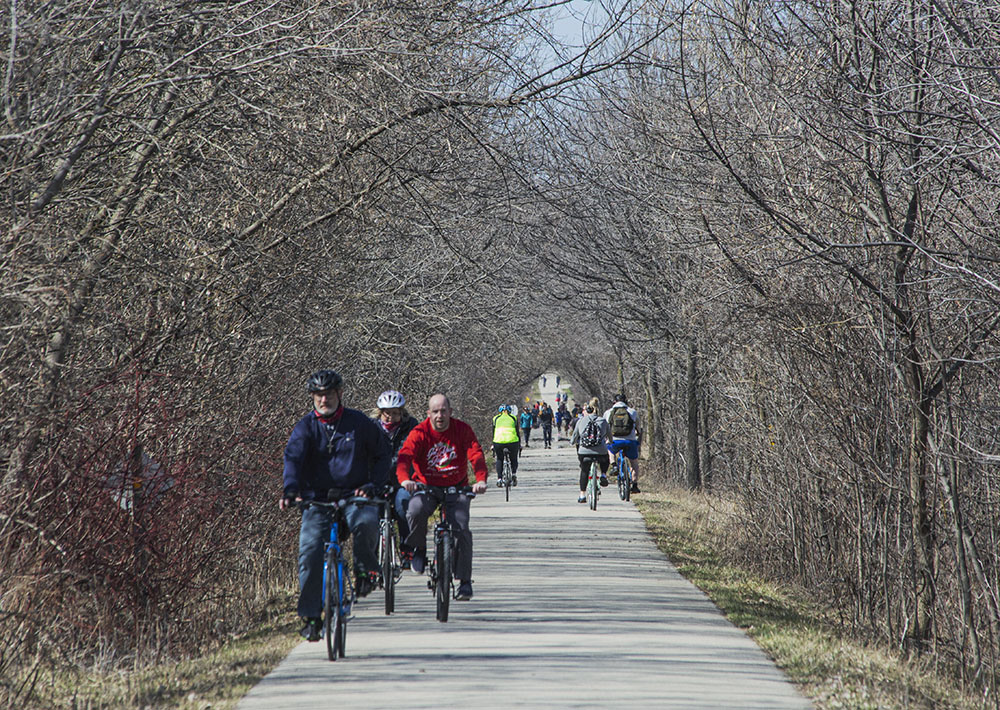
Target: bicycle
507, 474
389, 562
594, 485
339, 594
624, 476
441, 570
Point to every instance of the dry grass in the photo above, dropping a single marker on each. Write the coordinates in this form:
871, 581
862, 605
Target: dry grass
216, 680
833, 670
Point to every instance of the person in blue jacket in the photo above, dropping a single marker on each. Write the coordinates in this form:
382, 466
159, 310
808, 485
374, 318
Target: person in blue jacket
525, 421
332, 453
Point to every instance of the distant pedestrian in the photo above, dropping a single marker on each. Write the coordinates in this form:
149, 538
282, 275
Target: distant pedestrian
525, 421
545, 417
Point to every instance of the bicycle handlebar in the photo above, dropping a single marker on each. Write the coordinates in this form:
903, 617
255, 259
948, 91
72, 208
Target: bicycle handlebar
447, 489
356, 500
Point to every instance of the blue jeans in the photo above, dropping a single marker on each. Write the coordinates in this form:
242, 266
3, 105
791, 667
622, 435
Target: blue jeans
313, 536
400, 504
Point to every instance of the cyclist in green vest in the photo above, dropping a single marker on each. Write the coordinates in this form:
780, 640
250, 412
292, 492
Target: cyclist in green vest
505, 438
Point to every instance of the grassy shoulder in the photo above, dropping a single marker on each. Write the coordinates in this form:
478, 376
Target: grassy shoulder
833, 670
216, 680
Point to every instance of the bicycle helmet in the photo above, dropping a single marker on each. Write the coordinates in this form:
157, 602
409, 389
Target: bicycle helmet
390, 399
503, 408
324, 380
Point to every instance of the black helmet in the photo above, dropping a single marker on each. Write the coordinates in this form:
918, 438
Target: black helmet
620, 397
324, 380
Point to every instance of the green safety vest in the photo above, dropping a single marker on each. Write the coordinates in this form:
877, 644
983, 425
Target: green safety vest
505, 429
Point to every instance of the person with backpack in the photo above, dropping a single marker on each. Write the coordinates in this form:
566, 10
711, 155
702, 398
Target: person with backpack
623, 422
525, 420
591, 437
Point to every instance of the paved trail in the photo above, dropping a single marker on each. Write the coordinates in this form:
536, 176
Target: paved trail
572, 609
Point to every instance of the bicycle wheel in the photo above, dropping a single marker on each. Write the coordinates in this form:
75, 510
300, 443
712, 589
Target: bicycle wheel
344, 584
626, 478
445, 571
593, 485
386, 549
622, 483
331, 606
507, 475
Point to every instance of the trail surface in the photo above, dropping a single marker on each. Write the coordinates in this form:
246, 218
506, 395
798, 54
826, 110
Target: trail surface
572, 609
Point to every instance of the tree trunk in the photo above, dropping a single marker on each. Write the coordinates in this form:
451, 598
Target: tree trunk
693, 458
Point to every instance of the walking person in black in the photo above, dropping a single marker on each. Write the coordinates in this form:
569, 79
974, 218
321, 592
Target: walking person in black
545, 417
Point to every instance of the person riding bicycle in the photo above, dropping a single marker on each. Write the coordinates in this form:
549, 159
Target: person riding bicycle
545, 416
505, 439
626, 434
396, 423
525, 420
439, 451
591, 437
333, 453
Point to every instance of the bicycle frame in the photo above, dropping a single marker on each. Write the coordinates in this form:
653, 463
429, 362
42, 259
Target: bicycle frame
390, 567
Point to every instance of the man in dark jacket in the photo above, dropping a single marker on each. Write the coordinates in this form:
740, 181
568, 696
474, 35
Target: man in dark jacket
333, 453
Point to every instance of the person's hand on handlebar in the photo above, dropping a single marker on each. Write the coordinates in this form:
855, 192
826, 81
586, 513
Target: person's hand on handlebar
479, 487
289, 500
410, 485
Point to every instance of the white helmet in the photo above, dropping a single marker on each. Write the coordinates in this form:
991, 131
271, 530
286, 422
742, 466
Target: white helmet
390, 399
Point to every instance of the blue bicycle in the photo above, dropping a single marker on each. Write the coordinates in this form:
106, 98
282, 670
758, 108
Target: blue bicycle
624, 475
339, 594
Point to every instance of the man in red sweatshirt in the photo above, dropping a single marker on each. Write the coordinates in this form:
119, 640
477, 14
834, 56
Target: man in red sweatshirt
440, 449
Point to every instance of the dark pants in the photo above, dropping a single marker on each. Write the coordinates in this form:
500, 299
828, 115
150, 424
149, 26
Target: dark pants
585, 461
513, 448
547, 434
422, 504
526, 430
313, 536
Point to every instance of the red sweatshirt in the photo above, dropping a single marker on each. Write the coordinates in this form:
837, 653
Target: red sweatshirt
441, 458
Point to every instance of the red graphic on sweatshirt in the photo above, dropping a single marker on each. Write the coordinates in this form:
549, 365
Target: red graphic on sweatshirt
442, 457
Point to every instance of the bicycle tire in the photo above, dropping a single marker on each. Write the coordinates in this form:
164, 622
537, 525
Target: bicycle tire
442, 591
593, 486
507, 475
343, 609
627, 478
387, 544
331, 605
622, 485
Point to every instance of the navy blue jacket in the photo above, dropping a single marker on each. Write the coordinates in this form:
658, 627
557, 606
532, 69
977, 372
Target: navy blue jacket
340, 457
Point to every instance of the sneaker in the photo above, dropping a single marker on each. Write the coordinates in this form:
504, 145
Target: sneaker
313, 630
582, 498
419, 561
365, 583
464, 591
513, 481
500, 483
405, 559
635, 487
604, 481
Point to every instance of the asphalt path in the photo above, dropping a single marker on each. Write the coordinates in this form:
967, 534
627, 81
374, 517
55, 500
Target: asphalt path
573, 608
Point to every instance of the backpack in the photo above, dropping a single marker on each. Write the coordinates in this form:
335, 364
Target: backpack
621, 422
591, 437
